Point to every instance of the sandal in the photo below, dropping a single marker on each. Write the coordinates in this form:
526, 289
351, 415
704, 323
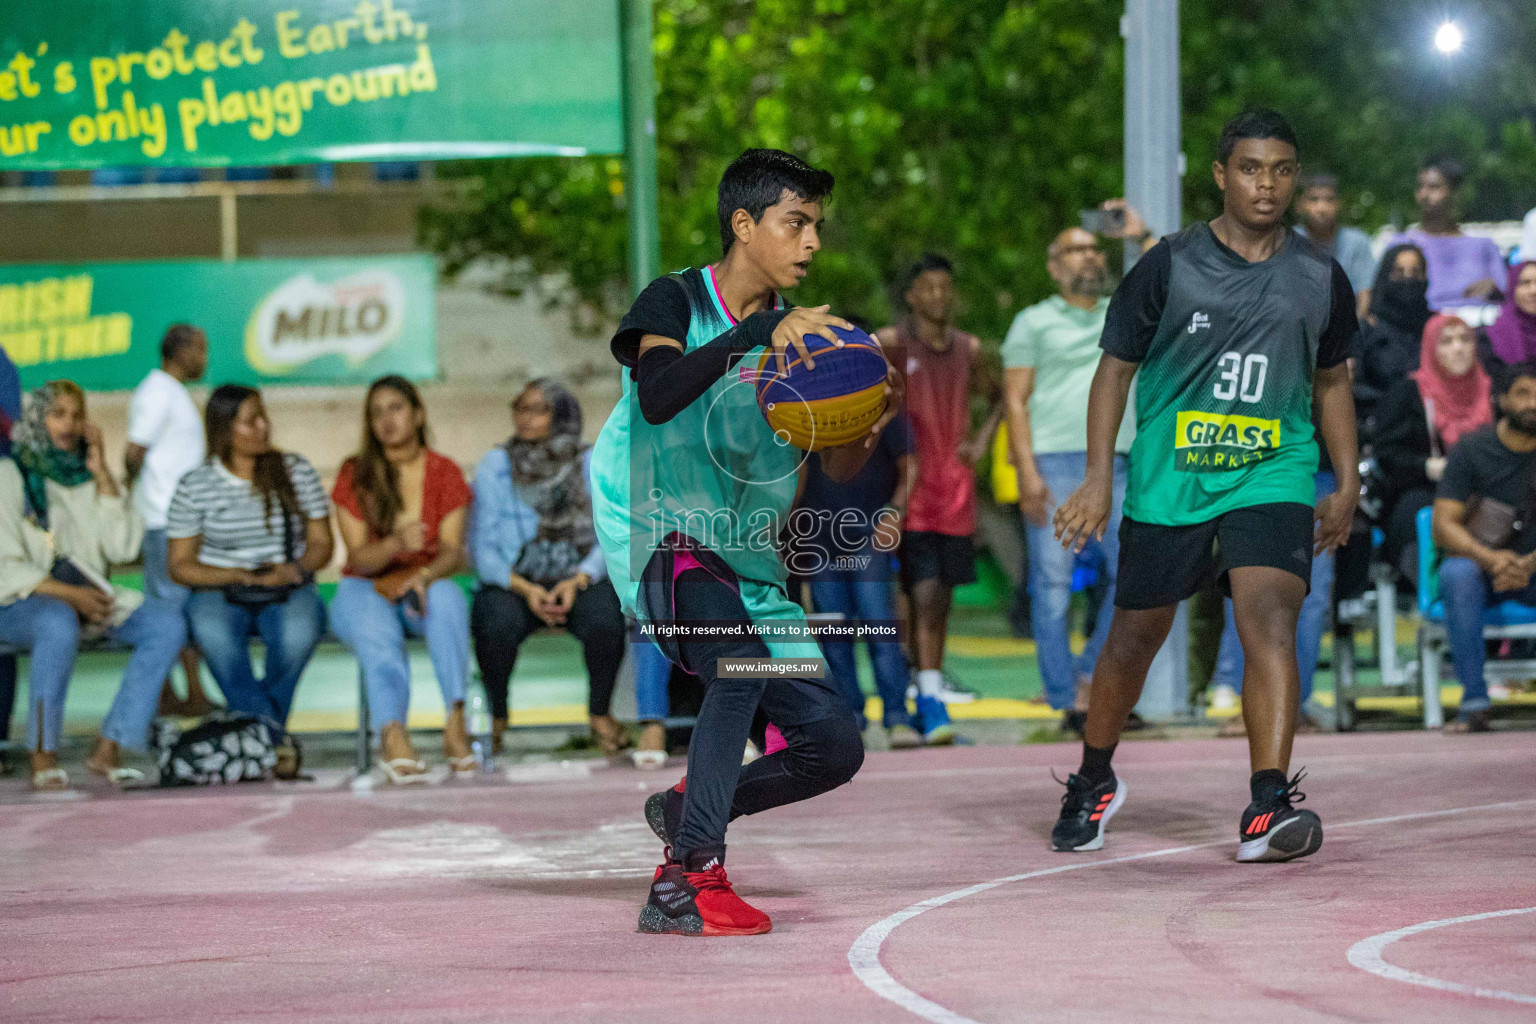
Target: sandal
653, 747
50, 780
649, 760
290, 761
456, 747
609, 735
1233, 728
1468, 721
119, 776
404, 771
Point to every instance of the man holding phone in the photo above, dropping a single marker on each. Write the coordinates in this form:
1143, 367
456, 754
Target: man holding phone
1049, 359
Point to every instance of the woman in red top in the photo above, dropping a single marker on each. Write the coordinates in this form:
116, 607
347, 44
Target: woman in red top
403, 512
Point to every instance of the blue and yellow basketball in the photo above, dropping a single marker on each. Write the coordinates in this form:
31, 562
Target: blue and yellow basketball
833, 404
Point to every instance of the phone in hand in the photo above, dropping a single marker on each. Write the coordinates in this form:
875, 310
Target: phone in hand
1102, 222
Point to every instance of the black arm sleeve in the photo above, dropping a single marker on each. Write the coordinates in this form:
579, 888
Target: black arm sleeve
661, 309
1137, 307
667, 381
1338, 341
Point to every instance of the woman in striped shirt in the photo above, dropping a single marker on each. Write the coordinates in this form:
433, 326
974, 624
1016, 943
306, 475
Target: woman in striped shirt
248, 529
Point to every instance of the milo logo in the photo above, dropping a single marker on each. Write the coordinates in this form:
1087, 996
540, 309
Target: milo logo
303, 319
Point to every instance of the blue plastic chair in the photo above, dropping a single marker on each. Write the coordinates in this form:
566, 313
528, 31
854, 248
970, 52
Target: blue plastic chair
1507, 613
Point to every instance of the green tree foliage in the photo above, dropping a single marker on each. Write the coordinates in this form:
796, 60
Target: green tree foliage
979, 128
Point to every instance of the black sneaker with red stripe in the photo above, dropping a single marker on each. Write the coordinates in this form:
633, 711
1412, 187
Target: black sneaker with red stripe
1085, 809
1274, 830
700, 901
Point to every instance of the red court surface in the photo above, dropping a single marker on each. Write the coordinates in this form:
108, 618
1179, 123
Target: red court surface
517, 901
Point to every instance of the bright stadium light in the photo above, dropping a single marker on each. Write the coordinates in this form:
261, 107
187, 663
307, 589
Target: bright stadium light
1449, 38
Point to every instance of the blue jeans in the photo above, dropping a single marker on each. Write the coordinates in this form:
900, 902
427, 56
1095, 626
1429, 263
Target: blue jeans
653, 672
289, 629
376, 629
1050, 578
157, 575
1468, 592
1309, 624
50, 630
864, 595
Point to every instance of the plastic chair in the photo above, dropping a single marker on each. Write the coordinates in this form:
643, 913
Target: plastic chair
1508, 620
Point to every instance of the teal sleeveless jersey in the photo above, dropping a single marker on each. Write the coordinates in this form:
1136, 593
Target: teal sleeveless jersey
714, 472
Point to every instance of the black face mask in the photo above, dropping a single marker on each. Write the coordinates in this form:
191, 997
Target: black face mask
1402, 303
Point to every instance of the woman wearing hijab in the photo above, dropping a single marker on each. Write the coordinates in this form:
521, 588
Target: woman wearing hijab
1512, 337
64, 522
1391, 335
536, 554
1419, 421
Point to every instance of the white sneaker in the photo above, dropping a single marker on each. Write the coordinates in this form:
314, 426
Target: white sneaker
947, 694
1223, 698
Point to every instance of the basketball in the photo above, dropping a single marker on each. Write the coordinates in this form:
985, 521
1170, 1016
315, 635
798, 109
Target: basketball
833, 404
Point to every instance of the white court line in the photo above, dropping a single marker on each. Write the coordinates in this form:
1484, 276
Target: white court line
1366, 955
864, 954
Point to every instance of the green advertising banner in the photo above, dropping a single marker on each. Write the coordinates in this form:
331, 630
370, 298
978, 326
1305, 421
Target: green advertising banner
304, 321
95, 83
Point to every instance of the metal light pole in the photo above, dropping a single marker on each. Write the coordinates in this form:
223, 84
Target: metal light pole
1154, 165
640, 144
1153, 153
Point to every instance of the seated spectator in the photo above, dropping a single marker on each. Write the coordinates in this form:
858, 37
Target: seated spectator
247, 531
1512, 337
402, 510
844, 534
1418, 421
63, 522
1393, 331
1463, 269
1485, 493
536, 554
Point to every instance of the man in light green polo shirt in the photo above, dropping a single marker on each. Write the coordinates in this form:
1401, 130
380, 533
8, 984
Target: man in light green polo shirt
1049, 359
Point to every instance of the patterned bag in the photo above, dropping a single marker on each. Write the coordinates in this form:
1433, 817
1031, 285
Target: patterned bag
224, 747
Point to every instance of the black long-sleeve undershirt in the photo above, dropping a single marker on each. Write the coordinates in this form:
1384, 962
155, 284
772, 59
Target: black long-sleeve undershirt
667, 380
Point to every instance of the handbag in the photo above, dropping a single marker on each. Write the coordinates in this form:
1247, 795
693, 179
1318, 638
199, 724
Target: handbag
1493, 523
256, 596
1496, 525
387, 586
226, 747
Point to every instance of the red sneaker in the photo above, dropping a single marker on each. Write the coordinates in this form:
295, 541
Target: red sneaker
698, 903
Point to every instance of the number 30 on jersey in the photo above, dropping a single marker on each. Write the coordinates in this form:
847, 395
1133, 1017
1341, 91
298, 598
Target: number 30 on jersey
1241, 378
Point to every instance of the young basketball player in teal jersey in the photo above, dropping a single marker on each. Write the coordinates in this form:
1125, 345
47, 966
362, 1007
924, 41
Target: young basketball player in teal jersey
1236, 332
690, 490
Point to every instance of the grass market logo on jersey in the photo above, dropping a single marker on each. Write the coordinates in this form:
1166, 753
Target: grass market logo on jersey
1209, 442
302, 319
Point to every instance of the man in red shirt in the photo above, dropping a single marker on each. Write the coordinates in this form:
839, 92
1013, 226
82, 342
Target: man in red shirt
941, 366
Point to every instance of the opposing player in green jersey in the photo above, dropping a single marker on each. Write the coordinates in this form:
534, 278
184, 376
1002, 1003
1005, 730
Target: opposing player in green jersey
691, 488
1236, 332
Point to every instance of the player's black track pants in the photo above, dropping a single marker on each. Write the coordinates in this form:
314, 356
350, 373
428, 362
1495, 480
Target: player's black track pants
824, 751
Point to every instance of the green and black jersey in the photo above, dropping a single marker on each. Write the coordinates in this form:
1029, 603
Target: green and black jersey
1224, 392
